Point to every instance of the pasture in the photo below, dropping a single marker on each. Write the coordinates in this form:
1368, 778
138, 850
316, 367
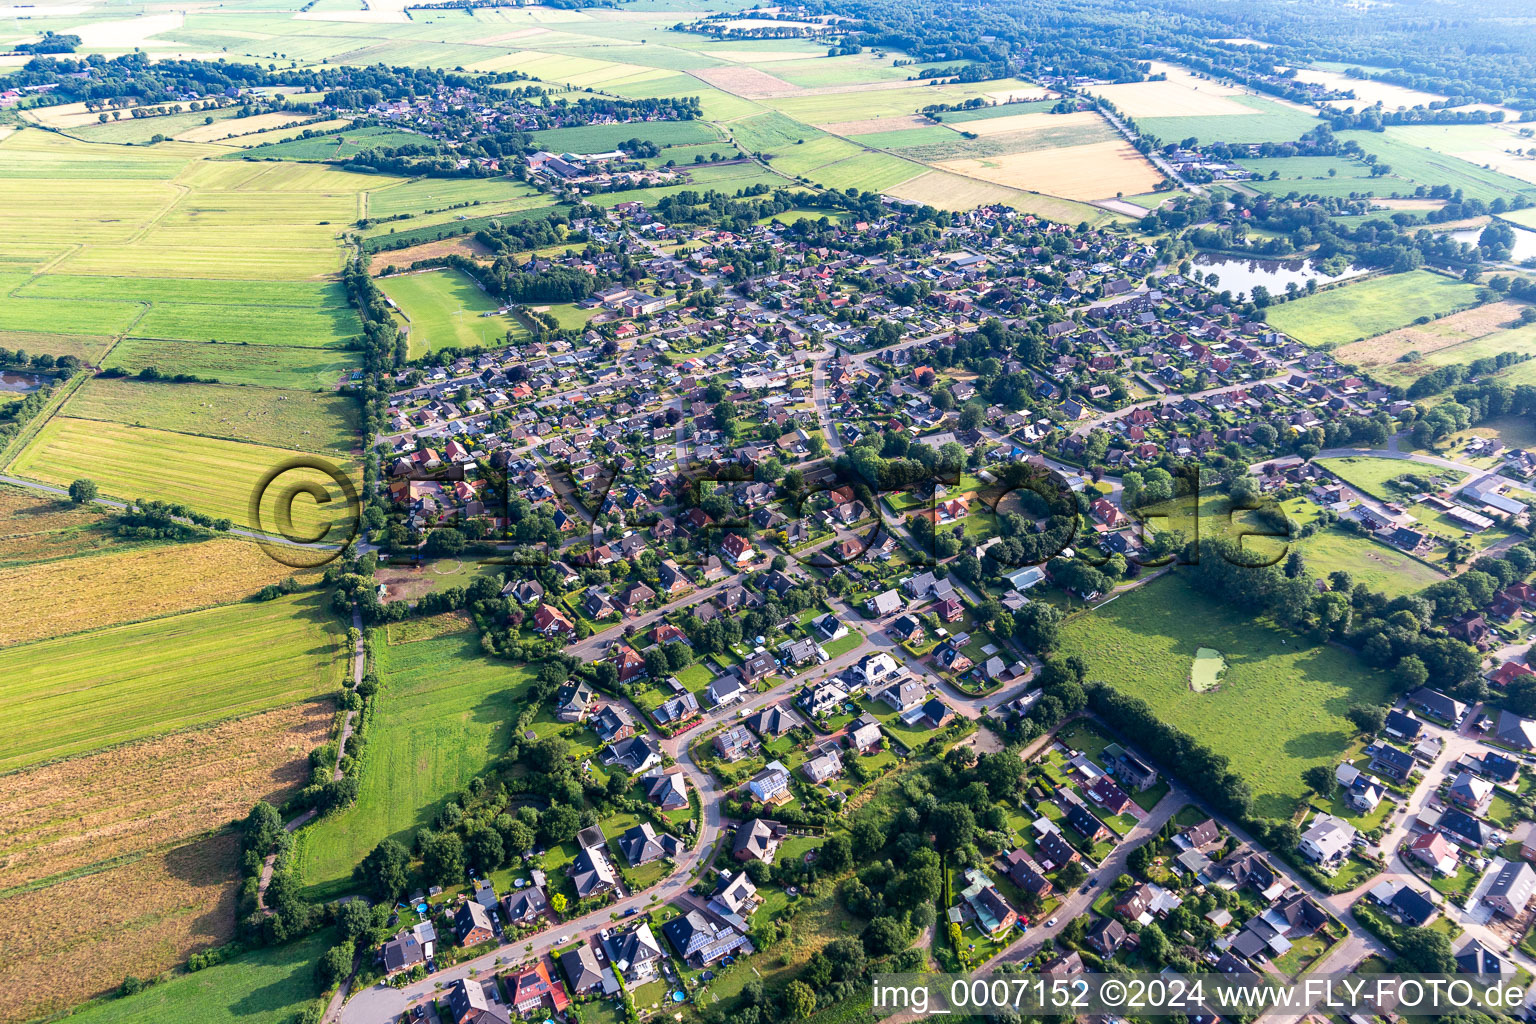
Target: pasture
147, 795
1263, 121
268, 986
1369, 307
1379, 566
302, 420
273, 366
90, 691
323, 147
77, 594
1281, 705
141, 918
1400, 357
444, 713
447, 308
427, 194
34, 527
209, 475
602, 138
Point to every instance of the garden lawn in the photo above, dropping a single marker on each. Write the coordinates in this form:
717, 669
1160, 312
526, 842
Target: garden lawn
92, 690
1370, 307
1280, 707
444, 713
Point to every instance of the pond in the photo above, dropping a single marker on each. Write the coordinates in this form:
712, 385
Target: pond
11, 380
1240, 274
1525, 242
1205, 674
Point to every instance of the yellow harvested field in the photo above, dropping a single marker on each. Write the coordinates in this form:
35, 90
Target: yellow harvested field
1433, 336
1196, 98
401, 259
1030, 122
871, 125
946, 191
76, 940
126, 34
1027, 94
1367, 92
64, 115
1097, 170
1184, 76
76, 594
760, 56
748, 83
233, 127
68, 815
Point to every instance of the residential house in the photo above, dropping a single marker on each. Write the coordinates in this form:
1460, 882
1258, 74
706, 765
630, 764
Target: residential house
735, 742
1512, 888
472, 924
1106, 937
824, 765
574, 701
1434, 849
667, 788
771, 785
990, 912
531, 989
635, 954
1327, 840
758, 839
613, 724
643, 844
635, 755
864, 735
1024, 872
701, 940
469, 1004
582, 971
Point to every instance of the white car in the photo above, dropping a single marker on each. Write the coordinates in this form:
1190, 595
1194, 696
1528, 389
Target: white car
1052, 922
562, 940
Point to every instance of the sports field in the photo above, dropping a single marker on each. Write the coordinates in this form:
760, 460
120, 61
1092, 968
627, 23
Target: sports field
446, 308
215, 477
1370, 307
92, 690
444, 712
303, 420
1279, 708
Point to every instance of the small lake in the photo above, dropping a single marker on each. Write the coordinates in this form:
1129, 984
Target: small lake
1205, 674
1525, 241
20, 382
1240, 274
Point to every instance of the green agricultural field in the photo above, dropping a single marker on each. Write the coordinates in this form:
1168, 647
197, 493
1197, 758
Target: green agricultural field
273, 366
417, 197
1270, 122
1418, 165
209, 475
1310, 175
445, 308
603, 138
343, 144
1280, 706
268, 986
131, 130
997, 110
303, 420
93, 690
444, 713
1370, 307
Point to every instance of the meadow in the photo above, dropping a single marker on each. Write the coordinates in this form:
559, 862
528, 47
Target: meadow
302, 420
1371, 475
602, 138
327, 147
35, 527
1383, 354
1369, 307
215, 477
89, 691
141, 918
147, 795
444, 713
417, 197
1280, 708
267, 986
273, 366
444, 308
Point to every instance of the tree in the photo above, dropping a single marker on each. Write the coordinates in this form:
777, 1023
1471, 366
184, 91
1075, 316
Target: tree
355, 917
884, 936
1422, 951
954, 826
442, 856
1073, 875
384, 871
559, 824
835, 855
800, 1000
335, 965
82, 491
1319, 779
557, 902
1367, 717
